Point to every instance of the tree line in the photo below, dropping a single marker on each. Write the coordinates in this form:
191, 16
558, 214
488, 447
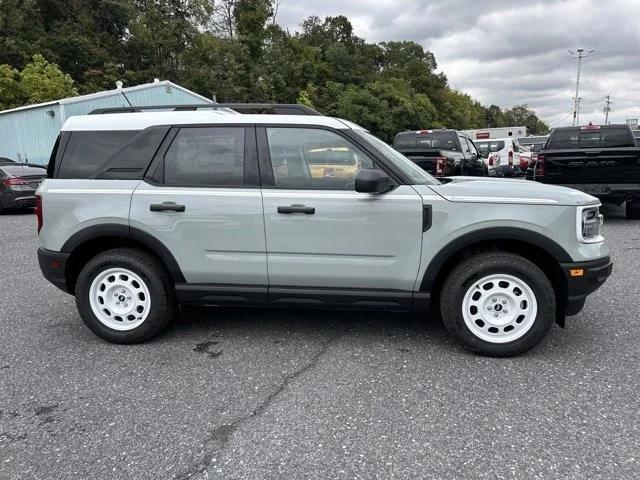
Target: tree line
235, 50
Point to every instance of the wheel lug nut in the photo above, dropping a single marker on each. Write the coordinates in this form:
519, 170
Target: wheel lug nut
493, 300
506, 311
504, 302
495, 314
489, 307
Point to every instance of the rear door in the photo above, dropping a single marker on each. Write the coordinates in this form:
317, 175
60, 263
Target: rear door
320, 232
202, 201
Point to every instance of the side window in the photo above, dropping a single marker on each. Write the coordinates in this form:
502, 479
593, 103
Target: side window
87, 151
206, 157
472, 148
309, 158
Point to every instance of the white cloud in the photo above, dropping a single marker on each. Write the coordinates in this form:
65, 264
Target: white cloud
511, 53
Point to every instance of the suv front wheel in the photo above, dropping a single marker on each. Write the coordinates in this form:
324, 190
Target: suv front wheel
125, 295
498, 304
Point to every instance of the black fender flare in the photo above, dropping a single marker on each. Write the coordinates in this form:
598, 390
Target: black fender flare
487, 234
125, 231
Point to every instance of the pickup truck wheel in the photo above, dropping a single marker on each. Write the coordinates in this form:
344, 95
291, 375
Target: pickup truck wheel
633, 209
124, 295
498, 304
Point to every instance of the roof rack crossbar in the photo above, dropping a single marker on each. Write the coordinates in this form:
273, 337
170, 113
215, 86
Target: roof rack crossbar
276, 108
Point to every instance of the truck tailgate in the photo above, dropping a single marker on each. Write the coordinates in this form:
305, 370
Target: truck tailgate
425, 160
609, 165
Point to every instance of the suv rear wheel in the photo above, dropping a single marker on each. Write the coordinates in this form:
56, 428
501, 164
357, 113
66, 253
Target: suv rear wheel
498, 304
125, 295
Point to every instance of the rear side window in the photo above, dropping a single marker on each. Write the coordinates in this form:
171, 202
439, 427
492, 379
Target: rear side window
206, 157
87, 151
590, 138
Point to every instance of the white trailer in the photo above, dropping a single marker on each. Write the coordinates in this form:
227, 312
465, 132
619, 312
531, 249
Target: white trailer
501, 132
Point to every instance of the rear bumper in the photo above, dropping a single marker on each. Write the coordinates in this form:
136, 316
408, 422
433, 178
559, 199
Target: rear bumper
53, 265
18, 199
584, 278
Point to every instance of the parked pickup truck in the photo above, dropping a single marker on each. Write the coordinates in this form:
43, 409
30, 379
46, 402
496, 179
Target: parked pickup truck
441, 152
601, 160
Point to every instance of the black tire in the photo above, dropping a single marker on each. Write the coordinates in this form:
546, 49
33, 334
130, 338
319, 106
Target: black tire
474, 268
151, 271
633, 210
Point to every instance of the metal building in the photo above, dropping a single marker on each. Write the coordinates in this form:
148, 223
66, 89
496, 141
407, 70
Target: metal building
27, 134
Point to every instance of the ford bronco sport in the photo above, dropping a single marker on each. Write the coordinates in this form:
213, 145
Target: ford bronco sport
144, 210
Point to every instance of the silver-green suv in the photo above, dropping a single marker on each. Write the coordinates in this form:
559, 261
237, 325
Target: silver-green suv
145, 210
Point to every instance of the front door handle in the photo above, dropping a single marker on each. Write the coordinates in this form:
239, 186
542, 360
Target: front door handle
297, 209
170, 206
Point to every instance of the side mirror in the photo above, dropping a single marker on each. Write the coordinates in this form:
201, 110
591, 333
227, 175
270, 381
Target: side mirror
373, 181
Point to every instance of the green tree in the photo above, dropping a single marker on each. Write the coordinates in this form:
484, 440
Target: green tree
42, 81
460, 111
11, 91
214, 66
523, 115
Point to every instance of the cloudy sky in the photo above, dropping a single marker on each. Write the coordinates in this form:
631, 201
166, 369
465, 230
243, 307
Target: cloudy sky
511, 52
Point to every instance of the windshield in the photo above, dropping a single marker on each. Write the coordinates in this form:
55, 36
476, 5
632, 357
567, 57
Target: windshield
417, 175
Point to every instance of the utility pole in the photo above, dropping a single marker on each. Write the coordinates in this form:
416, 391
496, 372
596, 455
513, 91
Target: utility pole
579, 54
607, 108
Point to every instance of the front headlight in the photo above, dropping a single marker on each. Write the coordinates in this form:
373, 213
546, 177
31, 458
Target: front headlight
588, 224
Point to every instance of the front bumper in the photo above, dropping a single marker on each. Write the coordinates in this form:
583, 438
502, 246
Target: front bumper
584, 278
53, 265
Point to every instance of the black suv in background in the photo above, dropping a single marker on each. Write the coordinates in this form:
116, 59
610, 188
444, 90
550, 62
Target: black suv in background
601, 160
441, 152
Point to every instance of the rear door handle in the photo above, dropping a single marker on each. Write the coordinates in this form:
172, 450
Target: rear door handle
297, 209
170, 206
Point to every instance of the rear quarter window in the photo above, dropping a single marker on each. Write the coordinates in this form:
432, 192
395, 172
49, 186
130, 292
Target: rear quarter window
87, 151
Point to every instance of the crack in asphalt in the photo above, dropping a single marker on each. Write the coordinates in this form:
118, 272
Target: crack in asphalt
221, 435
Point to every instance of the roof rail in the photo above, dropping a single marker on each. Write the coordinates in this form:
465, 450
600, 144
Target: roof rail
276, 108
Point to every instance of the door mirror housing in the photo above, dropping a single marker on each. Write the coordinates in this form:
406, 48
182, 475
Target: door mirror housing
373, 181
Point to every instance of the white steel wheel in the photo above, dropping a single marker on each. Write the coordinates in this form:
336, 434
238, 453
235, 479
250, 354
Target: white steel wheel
119, 299
499, 308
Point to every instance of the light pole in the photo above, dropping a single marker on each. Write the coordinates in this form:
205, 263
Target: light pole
579, 54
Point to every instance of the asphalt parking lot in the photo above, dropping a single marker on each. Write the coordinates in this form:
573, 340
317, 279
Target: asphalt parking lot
233, 393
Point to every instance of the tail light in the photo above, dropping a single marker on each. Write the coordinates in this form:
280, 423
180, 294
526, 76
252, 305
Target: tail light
15, 181
441, 165
524, 162
510, 157
38, 211
538, 167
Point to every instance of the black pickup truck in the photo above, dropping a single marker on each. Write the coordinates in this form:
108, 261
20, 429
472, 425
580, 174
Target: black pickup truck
601, 160
441, 152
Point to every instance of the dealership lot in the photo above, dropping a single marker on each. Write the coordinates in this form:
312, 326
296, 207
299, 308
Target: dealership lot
239, 393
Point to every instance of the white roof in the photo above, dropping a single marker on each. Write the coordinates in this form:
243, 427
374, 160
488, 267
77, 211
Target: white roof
107, 93
142, 120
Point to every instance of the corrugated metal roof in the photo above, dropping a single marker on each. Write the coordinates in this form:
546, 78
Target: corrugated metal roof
106, 93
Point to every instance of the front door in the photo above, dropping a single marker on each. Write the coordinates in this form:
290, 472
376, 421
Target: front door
319, 231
